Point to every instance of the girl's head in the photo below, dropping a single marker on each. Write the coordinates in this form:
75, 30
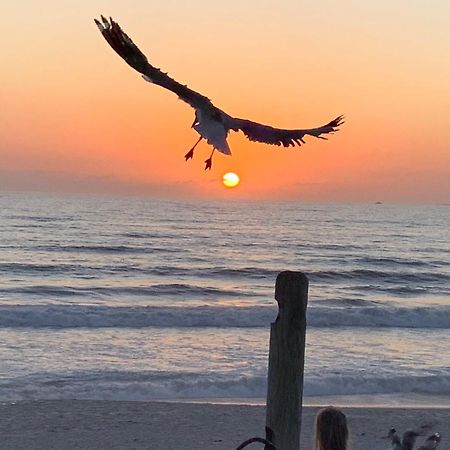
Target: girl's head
331, 429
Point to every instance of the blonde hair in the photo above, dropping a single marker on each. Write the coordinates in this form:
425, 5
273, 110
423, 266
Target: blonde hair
331, 429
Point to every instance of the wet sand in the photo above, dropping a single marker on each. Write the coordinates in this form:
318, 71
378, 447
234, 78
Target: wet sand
85, 424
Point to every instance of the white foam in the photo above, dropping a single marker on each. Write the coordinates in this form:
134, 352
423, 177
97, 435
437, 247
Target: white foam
171, 385
74, 316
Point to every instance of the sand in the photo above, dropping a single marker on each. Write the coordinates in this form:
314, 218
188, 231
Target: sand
71, 424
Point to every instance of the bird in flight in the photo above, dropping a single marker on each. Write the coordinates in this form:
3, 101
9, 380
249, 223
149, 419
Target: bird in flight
211, 123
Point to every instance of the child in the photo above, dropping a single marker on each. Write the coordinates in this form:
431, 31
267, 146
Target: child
331, 429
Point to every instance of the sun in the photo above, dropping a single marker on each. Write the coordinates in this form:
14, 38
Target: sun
230, 180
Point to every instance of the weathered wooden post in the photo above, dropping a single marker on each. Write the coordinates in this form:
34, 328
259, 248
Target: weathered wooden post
286, 362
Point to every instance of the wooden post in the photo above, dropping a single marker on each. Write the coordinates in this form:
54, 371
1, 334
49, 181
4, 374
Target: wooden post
286, 362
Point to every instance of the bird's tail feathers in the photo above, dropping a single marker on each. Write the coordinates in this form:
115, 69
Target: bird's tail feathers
220, 145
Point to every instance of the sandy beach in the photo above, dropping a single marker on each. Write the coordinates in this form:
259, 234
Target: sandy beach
70, 424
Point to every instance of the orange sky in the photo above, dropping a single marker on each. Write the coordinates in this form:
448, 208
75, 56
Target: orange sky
75, 117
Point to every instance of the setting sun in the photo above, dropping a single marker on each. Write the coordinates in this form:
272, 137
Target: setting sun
230, 180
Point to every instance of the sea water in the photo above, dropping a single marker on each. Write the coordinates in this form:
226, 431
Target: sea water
144, 299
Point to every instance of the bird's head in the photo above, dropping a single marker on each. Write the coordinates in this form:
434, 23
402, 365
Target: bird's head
391, 433
436, 437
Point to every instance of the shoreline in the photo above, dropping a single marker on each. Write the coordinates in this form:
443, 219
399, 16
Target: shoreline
101, 424
400, 401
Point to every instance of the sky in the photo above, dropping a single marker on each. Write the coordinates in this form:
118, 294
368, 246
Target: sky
75, 118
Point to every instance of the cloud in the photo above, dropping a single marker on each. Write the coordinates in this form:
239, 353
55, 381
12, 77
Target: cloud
66, 182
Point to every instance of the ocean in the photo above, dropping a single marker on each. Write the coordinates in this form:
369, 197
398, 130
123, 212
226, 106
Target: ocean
144, 299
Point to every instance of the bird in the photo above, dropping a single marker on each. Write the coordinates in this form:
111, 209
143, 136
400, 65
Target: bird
395, 440
408, 439
431, 443
211, 123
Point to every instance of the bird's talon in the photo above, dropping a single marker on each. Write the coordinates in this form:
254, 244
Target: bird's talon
189, 154
208, 164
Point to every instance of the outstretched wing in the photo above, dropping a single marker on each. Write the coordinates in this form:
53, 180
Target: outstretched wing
128, 50
277, 136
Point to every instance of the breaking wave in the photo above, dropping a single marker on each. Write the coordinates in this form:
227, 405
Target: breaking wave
160, 385
97, 316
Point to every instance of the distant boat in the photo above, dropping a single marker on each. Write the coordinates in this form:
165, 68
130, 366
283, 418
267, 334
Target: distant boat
378, 203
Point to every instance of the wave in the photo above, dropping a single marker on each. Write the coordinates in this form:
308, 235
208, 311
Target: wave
99, 269
41, 269
387, 384
168, 290
96, 316
159, 385
378, 272
147, 235
377, 276
107, 249
395, 281
397, 262
25, 219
